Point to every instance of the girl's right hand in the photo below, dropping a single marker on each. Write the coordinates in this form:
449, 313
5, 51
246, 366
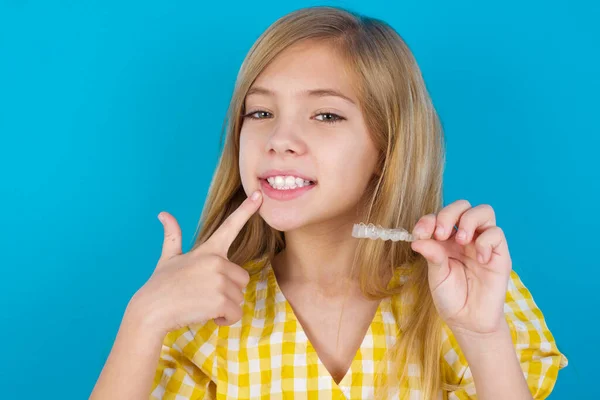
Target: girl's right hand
199, 285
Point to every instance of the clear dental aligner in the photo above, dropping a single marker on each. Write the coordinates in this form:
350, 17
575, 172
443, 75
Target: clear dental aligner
371, 231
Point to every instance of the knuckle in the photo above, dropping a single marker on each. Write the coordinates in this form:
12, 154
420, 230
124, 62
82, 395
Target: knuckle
220, 301
220, 283
427, 222
487, 207
463, 202
466, 220
464, 225
245, 276
223, 268
214, 263
490, 210
480, 242
427, 219
239, 297
443, 215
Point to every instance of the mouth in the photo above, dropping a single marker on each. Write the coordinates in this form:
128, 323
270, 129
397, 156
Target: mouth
285, 188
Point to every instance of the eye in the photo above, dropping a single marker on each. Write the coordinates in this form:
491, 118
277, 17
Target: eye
328, 117
331, 118
252, 113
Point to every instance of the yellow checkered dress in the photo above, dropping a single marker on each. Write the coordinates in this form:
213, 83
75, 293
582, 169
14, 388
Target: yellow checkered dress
267, 355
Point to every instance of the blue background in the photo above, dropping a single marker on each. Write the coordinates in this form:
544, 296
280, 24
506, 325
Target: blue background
111, 112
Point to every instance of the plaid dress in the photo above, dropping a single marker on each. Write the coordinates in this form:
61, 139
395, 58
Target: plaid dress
267, 355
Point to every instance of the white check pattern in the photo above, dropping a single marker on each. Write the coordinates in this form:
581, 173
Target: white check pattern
267, 355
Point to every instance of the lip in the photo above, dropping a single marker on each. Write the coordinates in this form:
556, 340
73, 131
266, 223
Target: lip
284, 195
285, 172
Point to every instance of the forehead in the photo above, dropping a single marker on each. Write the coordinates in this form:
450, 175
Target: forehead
307, 65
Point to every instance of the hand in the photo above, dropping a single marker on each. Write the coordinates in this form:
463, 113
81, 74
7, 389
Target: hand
468, 277
199, 285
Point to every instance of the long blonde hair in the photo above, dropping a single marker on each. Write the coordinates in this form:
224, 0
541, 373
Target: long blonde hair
406, 131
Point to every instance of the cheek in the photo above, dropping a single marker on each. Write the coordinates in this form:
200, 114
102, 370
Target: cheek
348, 166
247, 163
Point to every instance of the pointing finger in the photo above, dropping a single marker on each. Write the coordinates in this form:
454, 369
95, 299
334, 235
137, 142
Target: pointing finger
224, 236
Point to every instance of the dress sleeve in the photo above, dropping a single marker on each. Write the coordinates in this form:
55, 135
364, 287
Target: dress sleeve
535, 346
185, 364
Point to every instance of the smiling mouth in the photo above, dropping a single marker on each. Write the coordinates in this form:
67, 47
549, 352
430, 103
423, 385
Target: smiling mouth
288, 183
285, 193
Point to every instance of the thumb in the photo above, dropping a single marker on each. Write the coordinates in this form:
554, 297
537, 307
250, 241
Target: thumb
437, 260
172, 241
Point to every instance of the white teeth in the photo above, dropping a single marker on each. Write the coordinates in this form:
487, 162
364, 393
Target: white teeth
290, 181
287, 182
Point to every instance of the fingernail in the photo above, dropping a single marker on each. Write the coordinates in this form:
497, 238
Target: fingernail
161, 218
439, 230
462, 235
418, 231
255, 195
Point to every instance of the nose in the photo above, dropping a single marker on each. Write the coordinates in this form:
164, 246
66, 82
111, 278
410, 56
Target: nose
285, 140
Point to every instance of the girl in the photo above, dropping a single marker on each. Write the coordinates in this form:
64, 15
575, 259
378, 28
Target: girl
330, 124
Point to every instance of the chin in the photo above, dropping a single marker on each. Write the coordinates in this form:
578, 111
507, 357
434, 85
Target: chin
282, 219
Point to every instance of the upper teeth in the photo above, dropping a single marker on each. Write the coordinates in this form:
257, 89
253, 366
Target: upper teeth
287, 182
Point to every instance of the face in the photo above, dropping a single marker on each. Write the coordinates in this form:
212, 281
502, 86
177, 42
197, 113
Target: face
296, 126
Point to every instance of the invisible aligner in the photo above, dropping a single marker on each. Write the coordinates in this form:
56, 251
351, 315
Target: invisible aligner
373, 232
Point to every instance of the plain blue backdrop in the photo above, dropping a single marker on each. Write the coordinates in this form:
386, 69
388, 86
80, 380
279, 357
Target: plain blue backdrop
110, 112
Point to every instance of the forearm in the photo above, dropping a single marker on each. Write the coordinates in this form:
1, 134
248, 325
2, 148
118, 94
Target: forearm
131, 365
494, 365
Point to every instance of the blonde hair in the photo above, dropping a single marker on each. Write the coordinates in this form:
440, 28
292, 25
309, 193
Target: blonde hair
406, 131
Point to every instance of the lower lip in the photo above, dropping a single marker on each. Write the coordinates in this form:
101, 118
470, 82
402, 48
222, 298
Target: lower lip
283, 195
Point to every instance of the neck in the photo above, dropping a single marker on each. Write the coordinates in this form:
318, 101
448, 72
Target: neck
319, 256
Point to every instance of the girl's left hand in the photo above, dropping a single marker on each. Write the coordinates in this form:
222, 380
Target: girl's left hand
468, 276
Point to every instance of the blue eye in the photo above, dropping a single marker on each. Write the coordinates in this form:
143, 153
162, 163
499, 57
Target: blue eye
331, 117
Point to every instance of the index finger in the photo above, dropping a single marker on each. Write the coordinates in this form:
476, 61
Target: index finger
223, 237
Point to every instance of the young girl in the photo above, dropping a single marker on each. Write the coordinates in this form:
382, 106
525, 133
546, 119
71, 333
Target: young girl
330, 124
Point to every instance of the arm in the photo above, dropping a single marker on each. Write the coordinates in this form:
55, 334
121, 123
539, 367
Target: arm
477, 364
495, 366
201, 285
131, 364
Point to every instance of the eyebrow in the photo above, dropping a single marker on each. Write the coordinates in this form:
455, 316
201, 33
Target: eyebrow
312, 93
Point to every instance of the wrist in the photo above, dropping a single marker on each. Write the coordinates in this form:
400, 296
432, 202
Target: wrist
139, 317
494, 363
475, 344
